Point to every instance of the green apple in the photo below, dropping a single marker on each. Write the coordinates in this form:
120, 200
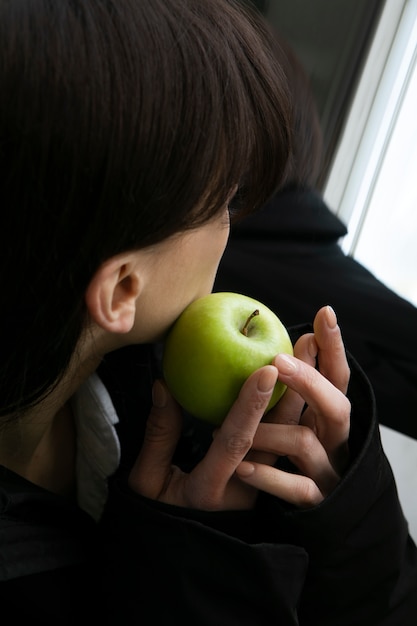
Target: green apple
213, 347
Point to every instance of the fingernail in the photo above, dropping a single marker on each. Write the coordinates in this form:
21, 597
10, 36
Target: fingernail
331, 318
159, 396
267, 379
286, 365
245, 469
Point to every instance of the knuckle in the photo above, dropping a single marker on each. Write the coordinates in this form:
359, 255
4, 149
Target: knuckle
308, 493
237, 445
155, 428
341, 414
208, 502
311, 380
255, 404
260, 404
306, 441
208, 497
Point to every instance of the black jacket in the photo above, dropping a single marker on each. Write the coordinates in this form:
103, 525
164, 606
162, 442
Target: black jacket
347, 561
288, 257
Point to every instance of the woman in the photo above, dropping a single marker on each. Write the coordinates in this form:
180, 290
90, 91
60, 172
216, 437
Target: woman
126, 128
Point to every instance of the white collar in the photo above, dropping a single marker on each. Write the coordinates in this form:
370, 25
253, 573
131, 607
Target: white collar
98, 447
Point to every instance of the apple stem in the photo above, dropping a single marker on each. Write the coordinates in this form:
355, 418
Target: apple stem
251, 316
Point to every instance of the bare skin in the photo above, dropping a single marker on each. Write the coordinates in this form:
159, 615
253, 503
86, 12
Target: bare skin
125, 291
126, 307
240, 460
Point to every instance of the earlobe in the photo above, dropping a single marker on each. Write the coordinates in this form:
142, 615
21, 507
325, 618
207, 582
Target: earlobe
112, 293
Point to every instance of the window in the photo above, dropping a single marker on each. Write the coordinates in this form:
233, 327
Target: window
373, 182
372, 186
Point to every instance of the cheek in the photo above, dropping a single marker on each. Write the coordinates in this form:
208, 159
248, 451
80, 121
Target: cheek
222, 235
219, 244
209, 247
224, 239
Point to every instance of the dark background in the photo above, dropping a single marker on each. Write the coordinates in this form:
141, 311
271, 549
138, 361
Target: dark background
331, 37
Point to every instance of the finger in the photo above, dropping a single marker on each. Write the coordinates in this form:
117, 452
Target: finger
305, 349
330, 405
289, 408
152, 468
293, 488
302, 448
234, 438
331, 350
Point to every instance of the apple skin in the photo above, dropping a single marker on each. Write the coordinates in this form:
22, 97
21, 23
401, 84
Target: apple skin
207, 358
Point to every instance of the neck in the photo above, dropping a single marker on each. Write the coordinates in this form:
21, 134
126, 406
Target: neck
41, 445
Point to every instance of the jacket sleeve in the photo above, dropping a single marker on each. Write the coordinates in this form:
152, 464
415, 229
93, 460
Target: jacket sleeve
362, 562
347, 561
178, 569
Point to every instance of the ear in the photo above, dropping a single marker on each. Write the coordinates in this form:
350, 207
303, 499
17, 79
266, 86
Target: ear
112, 293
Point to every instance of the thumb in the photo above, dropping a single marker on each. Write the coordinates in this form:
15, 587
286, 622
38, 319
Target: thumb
151, 471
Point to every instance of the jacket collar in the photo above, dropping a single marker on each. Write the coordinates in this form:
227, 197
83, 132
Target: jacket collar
294, 212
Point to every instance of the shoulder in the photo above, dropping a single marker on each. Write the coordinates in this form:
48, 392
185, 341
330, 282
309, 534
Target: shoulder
39, 531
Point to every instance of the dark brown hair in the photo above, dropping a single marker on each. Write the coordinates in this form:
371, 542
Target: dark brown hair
121, 123
306, 160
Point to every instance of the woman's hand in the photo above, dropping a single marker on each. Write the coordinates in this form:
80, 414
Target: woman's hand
240, 459
310, 425
212, 484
